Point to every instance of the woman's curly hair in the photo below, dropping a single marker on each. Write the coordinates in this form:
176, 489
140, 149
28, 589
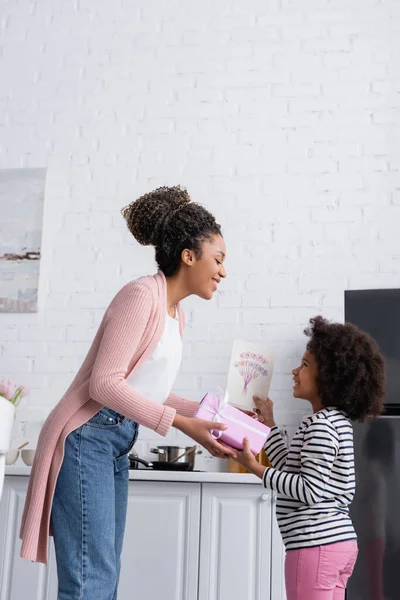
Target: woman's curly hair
351, 369
168, 220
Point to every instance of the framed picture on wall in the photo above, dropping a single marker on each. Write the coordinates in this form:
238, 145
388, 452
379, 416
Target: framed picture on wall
21, 223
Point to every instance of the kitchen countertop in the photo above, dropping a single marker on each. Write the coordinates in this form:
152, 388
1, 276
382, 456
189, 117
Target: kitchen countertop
151, 475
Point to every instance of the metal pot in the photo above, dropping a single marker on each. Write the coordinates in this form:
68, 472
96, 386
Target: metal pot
185, 463
169, 454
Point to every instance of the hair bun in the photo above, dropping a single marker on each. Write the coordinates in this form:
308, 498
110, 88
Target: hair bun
146, 217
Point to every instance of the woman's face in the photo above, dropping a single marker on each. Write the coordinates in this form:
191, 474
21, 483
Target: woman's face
305, 378
206, 271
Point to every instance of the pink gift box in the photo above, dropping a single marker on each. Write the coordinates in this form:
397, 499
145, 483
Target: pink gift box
240, 425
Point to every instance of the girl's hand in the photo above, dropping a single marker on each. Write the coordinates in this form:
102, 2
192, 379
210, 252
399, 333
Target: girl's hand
250, 413
265, 411
247, 459
200, 431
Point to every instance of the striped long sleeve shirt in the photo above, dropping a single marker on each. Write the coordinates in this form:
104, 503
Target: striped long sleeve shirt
314, 480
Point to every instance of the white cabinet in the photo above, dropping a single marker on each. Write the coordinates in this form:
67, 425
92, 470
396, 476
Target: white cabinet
20, 579
278, 590
183, 541
161, 546
235, 551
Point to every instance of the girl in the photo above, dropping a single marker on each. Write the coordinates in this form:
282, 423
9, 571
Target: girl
342, 376
79, 481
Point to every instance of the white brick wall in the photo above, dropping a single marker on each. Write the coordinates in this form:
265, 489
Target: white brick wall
282, 117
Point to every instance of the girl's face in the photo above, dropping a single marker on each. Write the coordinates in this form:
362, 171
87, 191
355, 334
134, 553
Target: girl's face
305, 379
205, 273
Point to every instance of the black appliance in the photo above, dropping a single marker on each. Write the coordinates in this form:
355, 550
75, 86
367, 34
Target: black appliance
376, 506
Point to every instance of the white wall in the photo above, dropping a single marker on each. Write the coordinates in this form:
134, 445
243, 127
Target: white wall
281, 117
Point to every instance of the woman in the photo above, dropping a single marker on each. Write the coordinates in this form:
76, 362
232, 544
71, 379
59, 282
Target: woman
79, 481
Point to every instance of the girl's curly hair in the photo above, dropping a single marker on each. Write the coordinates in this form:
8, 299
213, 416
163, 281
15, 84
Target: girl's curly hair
168, 220
351, 369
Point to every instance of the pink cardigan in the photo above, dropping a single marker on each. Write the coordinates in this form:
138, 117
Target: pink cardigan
130, 330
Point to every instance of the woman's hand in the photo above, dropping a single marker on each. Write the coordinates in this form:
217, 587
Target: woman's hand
200, 431
265, 411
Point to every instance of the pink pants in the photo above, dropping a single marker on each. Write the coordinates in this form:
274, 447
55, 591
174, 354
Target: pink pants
320, 573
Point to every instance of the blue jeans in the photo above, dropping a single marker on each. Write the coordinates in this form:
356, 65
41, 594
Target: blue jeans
89, 507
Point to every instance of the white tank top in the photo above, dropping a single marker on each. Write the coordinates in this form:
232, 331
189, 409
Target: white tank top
155, 377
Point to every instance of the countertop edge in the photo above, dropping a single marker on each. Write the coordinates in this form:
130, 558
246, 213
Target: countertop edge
167, 476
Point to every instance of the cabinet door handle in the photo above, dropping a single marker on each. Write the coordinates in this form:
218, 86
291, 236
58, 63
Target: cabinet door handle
264, 497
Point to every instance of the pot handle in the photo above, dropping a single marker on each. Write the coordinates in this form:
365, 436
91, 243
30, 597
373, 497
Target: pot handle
157, 451
149, 465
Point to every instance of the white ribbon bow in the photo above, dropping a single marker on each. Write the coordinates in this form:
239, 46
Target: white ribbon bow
220, 403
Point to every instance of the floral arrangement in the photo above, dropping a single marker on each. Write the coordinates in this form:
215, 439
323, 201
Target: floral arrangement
12, 391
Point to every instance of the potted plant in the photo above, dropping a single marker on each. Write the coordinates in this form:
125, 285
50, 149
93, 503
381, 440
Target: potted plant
11, 395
